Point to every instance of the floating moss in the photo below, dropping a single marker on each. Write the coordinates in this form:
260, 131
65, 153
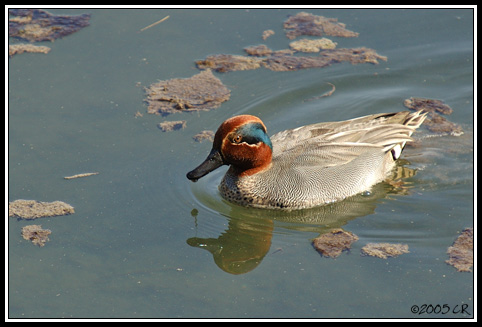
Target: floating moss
429, 105
258, 50
168, 126
306, 45
228, 63
384, 250
333, 243
461, 253
308, 24
326, 58
31, 209
282, 61
200, 92
36, 234
204, 135
266, 34
435, 122
39, 25
21, 48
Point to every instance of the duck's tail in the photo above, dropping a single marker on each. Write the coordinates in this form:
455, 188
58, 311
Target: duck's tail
412, 121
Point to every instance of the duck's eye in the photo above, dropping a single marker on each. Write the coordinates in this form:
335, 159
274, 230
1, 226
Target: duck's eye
237, 138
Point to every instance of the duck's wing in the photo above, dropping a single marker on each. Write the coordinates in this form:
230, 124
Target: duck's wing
324, 155
380, 130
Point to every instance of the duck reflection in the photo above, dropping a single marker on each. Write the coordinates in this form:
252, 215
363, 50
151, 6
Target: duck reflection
240, 248
247, 240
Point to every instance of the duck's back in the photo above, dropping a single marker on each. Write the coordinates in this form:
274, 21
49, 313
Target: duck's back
366, 129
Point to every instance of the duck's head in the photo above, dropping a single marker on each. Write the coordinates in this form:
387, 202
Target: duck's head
241, 142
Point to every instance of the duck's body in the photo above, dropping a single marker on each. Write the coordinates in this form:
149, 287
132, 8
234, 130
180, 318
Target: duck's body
307, 166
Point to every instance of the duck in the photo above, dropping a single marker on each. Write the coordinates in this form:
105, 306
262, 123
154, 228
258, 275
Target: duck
308, 166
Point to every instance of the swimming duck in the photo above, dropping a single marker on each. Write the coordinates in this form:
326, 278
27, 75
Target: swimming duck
307, 166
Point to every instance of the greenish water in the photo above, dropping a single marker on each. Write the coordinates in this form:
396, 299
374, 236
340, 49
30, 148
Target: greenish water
145, 242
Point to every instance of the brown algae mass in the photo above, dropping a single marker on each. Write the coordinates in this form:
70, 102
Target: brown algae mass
461, 253
22, 47
36, 234
204, 91
430, 105
305, 23
266, 34
204, 135
227, 63
384, 250
333, 243
326, 58
200, 92
31, 209
38, 25
258, 50
284, 61
306, 45
169, 126
435, 122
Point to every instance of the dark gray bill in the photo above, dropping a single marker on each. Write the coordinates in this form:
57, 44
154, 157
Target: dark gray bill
212, 162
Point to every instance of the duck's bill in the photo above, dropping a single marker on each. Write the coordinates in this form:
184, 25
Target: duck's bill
212, 162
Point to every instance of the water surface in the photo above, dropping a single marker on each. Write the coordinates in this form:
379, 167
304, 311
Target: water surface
145, 242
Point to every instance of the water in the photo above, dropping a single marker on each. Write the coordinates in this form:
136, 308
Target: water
147, 243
